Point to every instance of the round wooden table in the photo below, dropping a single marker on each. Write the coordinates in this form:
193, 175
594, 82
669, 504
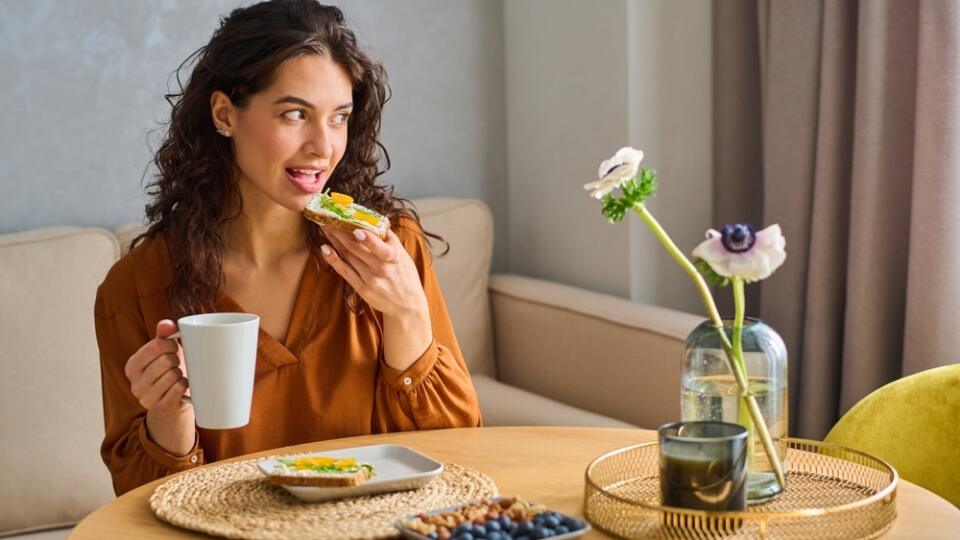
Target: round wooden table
543, 464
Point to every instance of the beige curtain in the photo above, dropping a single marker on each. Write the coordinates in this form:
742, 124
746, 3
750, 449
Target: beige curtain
840, 120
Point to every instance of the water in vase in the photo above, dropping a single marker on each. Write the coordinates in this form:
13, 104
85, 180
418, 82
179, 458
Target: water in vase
716, 397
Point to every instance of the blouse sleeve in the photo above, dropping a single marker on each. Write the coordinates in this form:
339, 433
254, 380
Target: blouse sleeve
132, 458
436, 390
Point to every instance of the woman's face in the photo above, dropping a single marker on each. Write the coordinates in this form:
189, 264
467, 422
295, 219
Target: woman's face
292, 134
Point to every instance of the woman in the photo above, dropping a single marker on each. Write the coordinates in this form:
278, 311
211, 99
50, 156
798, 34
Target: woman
354, 334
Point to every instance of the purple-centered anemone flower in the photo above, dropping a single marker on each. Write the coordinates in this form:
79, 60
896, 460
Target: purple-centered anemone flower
738, 251
615, 171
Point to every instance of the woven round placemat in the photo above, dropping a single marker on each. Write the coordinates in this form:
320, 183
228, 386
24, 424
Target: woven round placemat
234, 500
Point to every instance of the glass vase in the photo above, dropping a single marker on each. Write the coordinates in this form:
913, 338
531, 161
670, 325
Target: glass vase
709, 392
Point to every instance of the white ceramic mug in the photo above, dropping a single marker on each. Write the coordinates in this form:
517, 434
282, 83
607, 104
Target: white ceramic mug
220, 351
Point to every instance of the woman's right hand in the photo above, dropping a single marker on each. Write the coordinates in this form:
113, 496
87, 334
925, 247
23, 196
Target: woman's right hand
156, 373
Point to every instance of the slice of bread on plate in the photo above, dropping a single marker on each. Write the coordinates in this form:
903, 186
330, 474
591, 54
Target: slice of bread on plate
320, 471
339, 210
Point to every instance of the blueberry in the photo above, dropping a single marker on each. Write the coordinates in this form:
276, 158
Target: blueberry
539, 533
524, 537
462, 528
495, 535
505, 522
479, 531
562, 529
493, 525
463, 536
551, 521
524, 527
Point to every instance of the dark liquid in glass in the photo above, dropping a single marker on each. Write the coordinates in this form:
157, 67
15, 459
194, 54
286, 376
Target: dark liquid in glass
703, 482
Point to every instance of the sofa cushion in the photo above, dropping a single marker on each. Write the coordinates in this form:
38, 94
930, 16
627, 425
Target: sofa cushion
505, 405
126, 233
51, 414
590, 350
464, 272
467, 225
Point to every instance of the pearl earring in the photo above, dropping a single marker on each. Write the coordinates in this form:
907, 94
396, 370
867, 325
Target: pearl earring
223, 132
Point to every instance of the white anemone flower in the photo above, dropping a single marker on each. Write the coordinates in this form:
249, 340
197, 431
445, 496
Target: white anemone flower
737, 251
615, 171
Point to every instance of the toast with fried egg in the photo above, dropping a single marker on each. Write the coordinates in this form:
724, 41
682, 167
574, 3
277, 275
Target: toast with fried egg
320, 471
339, 210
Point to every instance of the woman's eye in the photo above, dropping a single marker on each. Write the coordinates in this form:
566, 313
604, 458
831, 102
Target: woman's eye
292, 115
341, 119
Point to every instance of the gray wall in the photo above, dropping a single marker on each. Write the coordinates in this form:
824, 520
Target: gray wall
671, 108
83, 84
567, 111
599, 76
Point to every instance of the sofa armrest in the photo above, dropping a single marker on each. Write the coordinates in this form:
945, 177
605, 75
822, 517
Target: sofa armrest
594, 351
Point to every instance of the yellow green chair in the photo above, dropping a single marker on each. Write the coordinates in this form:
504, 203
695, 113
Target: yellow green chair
914, 424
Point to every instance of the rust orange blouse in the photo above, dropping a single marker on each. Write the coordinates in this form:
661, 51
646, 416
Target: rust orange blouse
327, 380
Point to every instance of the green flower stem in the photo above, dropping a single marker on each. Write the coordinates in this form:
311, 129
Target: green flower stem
743, 414
684, 263
739, 305
714, 315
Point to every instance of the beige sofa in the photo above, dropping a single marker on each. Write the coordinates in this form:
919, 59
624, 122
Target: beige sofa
540, 353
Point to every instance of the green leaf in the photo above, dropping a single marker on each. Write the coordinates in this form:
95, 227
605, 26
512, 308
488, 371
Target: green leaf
614, 208
707, 272
634, 191
637, 190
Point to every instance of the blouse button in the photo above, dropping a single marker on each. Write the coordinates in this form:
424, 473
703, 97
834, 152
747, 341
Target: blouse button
194, 459
407, 381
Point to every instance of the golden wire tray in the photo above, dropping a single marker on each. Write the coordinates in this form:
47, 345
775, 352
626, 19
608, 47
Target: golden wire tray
832, 492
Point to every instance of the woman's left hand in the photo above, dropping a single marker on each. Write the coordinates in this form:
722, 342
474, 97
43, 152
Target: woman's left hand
381, 271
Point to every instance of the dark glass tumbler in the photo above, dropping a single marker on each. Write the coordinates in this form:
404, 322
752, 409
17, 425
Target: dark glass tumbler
703, 465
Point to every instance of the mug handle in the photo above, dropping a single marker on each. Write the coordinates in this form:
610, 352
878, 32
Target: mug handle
185, 398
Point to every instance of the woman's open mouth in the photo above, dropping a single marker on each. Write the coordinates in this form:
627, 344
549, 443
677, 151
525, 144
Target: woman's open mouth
307, 180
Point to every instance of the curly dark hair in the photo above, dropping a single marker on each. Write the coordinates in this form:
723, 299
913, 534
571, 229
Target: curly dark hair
196, 182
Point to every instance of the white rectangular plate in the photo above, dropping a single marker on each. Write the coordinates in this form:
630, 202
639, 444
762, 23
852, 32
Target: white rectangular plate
410, 533
398, 468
